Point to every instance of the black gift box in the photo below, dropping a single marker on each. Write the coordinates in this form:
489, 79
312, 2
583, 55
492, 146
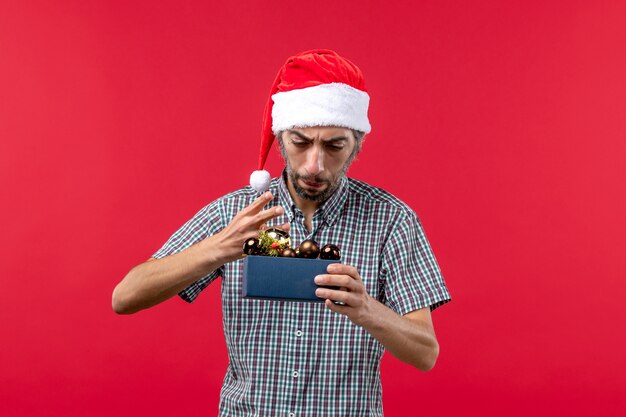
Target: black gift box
277, 278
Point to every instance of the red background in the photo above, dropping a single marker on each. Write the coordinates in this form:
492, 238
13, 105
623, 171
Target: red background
501, 123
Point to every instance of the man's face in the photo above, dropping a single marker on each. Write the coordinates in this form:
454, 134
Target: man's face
317, 158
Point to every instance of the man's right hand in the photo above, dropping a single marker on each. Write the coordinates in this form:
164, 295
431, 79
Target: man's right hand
155, 281
246, 224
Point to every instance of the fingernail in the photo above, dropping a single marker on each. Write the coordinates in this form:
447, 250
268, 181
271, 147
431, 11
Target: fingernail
319, 279
279, 210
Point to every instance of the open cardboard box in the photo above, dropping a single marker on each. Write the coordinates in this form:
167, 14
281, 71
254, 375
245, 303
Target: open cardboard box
277, 278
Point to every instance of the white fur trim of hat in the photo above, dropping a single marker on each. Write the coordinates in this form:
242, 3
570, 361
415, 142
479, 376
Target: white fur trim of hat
333, 104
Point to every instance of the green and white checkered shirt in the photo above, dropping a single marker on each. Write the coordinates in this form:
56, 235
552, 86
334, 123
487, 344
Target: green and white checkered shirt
297, 359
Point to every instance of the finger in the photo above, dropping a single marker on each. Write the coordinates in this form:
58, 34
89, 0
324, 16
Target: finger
269, 214
343, 269
344, 281
259, 203
285, 227
335, 295
337, 308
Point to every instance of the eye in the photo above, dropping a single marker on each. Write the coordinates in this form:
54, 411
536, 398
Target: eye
334, 147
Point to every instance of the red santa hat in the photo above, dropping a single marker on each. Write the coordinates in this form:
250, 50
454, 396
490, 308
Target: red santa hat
313, 88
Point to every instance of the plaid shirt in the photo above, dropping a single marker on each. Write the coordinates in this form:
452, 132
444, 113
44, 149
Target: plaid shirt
301, 359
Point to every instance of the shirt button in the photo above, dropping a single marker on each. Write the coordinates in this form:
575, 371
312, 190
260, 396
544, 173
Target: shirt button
298, 333
292, 415
295, 374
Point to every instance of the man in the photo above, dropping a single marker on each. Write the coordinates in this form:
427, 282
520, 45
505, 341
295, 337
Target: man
308, 359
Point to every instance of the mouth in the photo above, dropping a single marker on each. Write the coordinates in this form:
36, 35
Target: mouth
313, 184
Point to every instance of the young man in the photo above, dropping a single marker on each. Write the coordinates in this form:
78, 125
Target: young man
308, 359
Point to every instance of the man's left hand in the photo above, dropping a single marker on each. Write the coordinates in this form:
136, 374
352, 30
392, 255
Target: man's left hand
357, 303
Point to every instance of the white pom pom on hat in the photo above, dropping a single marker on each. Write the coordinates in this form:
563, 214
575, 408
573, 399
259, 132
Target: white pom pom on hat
314, 88
260, 181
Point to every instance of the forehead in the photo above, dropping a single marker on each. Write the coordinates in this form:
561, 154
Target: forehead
323, 132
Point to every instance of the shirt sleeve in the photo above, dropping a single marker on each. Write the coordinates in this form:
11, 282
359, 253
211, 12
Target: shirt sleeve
205, 223
409, 269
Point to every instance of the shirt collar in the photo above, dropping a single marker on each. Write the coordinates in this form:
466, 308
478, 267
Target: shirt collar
329, 210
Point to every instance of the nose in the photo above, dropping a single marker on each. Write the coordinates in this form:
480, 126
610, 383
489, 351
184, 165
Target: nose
315, 160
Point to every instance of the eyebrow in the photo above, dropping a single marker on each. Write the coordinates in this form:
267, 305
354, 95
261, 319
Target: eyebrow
305, 137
